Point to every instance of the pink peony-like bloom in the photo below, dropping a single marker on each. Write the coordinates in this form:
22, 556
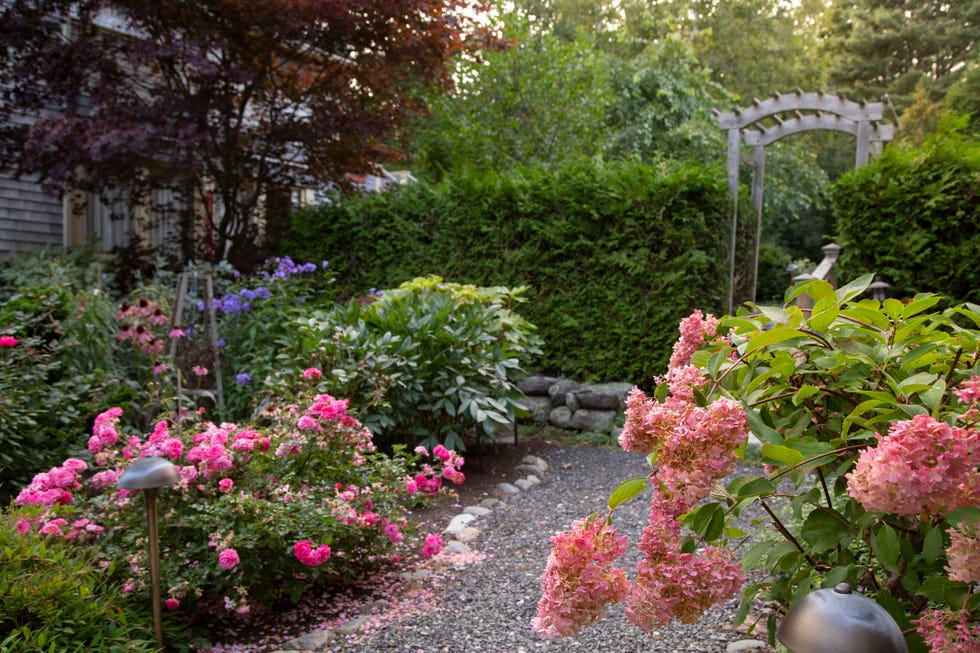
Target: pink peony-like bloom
7, 342
923, 467
172, 603
228, 559
225, 484
963, 554
432, 545
578, 581
309, 556
312, 373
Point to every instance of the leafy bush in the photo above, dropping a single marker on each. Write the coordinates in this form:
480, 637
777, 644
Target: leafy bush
56, 597
423, 363
610, 253
913, 216
867, 415
260, 514
59, 366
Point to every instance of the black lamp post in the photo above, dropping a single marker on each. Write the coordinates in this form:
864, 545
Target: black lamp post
839, 621
150, 474
879, 289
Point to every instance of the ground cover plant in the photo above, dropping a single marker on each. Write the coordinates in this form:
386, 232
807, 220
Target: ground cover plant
56, 597
867, 419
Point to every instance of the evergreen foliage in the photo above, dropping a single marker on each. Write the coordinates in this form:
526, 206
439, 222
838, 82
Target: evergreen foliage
613, 255
912, 216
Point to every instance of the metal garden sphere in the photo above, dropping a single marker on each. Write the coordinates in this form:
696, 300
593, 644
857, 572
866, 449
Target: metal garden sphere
839, 621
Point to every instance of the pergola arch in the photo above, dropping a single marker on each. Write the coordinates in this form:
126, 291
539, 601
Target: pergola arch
764, 122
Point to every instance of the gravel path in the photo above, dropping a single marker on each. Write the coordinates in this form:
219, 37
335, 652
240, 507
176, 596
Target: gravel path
483, 601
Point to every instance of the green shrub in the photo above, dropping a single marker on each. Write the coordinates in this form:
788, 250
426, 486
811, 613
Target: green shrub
424, 363
64, 367
57, 598
913, 216
611, 253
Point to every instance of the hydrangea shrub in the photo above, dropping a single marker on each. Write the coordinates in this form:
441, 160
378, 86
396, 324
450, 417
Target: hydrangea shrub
867, 450
261, 512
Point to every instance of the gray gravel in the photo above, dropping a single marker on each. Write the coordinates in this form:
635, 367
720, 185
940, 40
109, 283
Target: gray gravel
487, 606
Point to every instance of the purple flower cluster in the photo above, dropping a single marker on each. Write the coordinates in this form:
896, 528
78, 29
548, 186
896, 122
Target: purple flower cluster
285, 267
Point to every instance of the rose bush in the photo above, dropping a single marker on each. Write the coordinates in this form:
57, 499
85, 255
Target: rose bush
261, 512
865, 416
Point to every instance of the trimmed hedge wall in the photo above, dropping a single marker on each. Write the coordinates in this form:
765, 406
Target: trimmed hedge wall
614, 254
913, 216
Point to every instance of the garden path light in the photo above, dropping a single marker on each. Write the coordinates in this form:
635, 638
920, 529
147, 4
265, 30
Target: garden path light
150, 474
839, 621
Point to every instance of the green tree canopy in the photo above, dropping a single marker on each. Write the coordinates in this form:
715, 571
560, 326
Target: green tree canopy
896, 46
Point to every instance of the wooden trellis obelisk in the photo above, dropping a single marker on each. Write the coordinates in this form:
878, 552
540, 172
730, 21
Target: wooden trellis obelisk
177, 322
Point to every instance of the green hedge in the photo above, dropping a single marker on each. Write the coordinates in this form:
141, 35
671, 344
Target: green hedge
913, 216
614, 254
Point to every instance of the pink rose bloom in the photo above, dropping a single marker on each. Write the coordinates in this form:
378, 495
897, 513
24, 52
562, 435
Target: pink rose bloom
172, 448
452, 474
312, 373
391, 530
75, 464
411, 486
305, 553
172, 603
8, 341
432, 545
225, 484
442, 452
228, 559
421, 451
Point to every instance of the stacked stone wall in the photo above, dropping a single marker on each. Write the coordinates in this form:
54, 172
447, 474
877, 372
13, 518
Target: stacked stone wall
571, 405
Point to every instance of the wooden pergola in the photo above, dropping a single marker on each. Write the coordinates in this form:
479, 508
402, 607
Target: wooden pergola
784, 114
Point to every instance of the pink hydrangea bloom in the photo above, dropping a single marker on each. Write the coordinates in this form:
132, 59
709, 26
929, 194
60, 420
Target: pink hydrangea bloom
578, 581
432, 545
923, 467
312, 557
963, 554
671, 584
228, 559
969, 392
946, 632
696, 329
681, 586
